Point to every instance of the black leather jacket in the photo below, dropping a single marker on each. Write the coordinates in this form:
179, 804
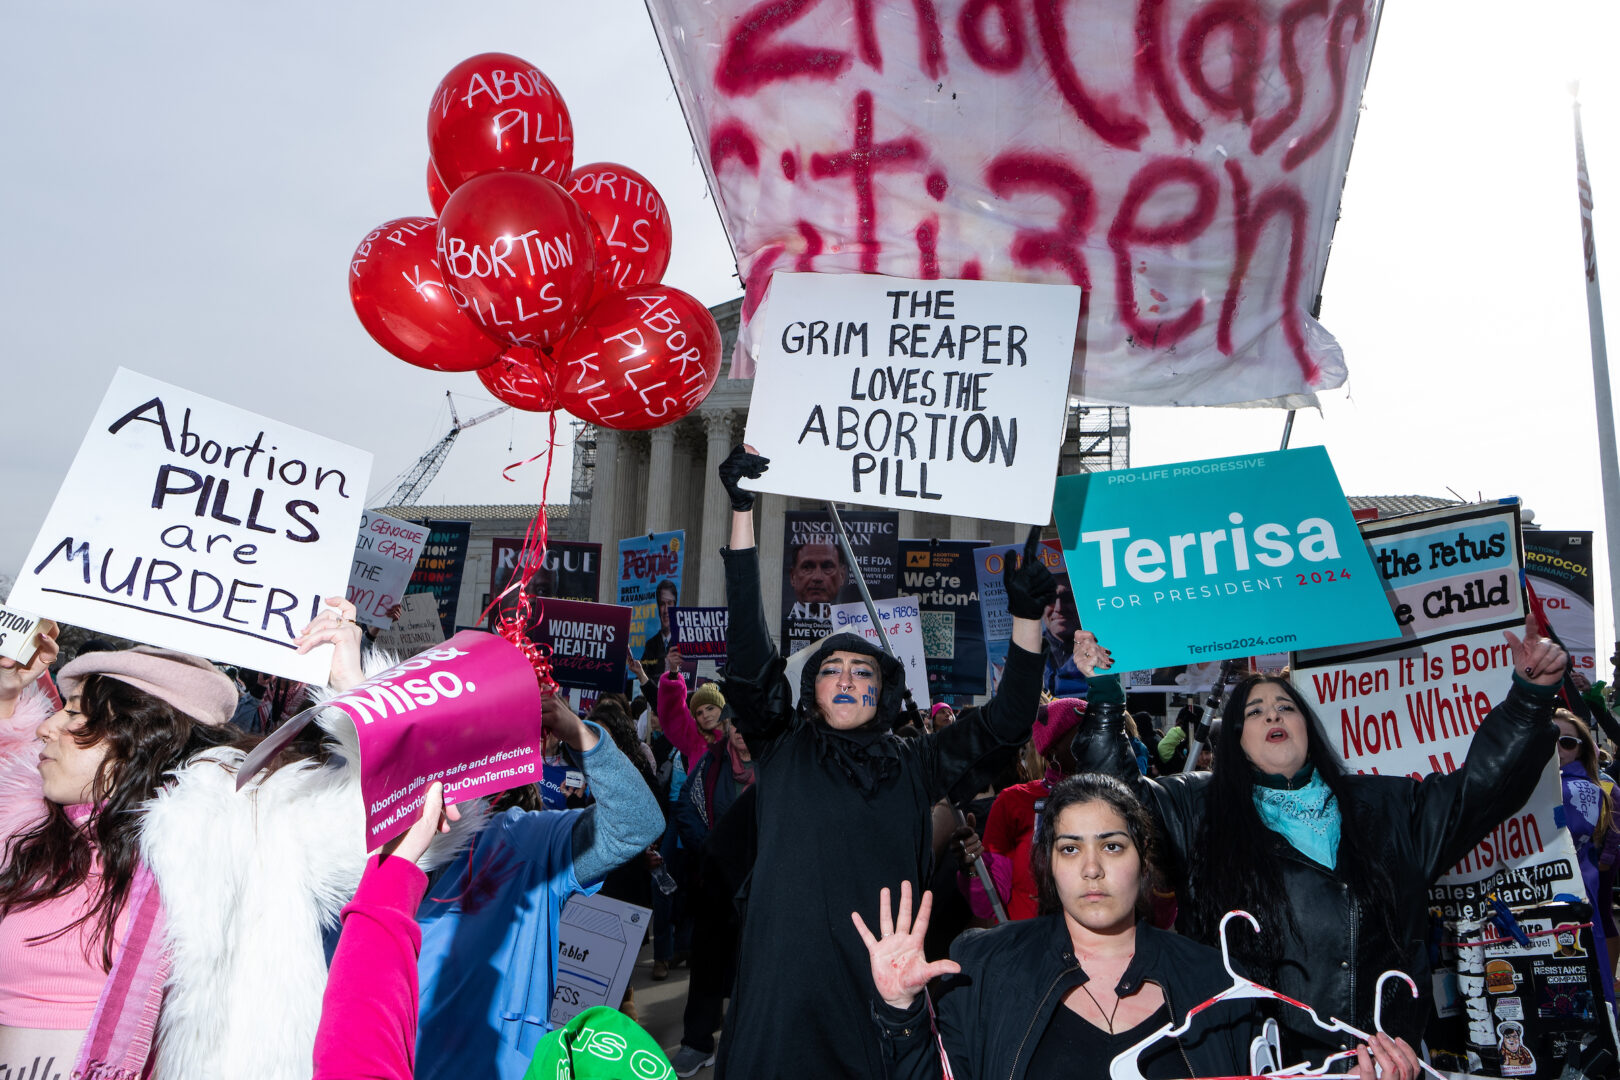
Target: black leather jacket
1422, 827
1015, 976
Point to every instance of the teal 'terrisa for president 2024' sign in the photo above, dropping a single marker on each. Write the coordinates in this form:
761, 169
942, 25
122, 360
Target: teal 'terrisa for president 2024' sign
1236, 556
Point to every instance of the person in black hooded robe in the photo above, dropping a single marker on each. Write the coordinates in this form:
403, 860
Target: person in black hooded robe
843, 809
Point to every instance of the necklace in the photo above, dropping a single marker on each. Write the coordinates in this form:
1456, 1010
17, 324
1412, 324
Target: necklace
1109, 1019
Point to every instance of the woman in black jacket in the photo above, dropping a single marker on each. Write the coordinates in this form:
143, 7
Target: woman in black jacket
1062, 994
843, 807
1336, 866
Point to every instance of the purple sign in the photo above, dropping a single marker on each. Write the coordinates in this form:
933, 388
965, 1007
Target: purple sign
589, 643
700, 632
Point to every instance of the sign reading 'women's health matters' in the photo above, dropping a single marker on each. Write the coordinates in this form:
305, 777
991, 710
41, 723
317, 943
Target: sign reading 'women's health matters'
1194, 561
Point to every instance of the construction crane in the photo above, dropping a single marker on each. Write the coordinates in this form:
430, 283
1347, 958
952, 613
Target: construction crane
420, 475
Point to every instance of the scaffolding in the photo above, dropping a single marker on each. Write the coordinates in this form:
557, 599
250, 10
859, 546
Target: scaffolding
1096, 438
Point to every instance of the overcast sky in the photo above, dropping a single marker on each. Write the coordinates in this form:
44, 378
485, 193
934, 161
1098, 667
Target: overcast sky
185, 183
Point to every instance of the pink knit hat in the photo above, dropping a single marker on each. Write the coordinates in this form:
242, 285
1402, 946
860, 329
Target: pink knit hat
189, 683
1058, 719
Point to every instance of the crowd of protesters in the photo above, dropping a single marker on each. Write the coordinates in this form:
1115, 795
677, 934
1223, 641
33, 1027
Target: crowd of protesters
796, 832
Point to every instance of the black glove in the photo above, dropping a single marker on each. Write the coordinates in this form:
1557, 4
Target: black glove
1031, 588
738, 465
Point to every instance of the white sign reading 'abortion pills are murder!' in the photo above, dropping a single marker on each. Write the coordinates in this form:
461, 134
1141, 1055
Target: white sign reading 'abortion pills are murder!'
941, 396
195, 525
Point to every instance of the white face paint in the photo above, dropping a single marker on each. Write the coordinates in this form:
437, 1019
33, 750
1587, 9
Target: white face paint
847, 688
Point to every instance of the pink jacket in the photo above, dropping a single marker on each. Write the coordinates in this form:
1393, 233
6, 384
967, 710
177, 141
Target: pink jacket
368, 1016
679, 727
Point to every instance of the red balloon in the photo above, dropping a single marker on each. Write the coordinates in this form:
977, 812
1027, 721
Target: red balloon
405, 305
633, 219
517, 254
524, 379
645, 357
496, 112
437, 194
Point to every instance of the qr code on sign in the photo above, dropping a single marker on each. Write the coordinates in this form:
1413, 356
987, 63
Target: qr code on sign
939, 635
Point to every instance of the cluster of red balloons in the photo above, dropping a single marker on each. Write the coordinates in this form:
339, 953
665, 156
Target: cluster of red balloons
541, 277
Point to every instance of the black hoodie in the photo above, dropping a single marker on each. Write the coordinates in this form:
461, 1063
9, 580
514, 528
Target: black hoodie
826, 847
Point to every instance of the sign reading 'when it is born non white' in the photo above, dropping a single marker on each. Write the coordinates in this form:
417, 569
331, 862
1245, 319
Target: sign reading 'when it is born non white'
941, 396
195, 525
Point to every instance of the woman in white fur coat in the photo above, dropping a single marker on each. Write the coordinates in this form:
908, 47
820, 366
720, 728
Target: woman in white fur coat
209, 961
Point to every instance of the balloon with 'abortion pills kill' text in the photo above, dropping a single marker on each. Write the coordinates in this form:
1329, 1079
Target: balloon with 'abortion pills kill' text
633, 219
402, 301
524, 379
516, 252
495, 112
645, 357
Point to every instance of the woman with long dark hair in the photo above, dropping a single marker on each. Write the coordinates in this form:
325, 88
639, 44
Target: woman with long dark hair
154, 920
844, 806
1063, 993
1336, 866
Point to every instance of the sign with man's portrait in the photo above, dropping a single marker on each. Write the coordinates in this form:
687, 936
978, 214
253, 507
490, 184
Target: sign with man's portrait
816, 573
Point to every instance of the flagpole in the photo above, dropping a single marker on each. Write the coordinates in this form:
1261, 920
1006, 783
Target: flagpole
1601, 393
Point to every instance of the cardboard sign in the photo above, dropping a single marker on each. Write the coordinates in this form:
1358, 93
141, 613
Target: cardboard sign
589, 643
700, 632
941, 396
815, 573
19, 635
417, 629
1199, 560
597, 942
1559, 565
466, 713
1182, 162
1410, 705
645, 562
385, 554
195, 525
902, 624
941, 575
440, 567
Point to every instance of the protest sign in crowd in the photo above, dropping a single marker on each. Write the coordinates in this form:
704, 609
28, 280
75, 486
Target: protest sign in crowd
1204, 776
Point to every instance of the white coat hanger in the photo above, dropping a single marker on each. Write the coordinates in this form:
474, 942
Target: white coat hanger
1126, 1066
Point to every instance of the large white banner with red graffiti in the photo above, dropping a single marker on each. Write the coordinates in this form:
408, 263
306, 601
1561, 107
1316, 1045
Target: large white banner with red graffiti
1181, 160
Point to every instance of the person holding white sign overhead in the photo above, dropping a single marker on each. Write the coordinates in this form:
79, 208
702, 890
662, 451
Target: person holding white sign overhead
1335, 865
154, 921
843, 809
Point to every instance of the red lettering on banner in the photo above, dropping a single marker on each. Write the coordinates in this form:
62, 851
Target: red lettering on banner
1127, 231
748, 61
812, 247
928, 248
1280, 121
1241, 20
1150, 61
1338, 61
1251, 222
1103, 117
732, 140
1060, 246
1006, 56
860, 162
790, 165
759, 277
931, 44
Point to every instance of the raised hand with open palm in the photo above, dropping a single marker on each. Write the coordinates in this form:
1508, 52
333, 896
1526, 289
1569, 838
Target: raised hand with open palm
899, 968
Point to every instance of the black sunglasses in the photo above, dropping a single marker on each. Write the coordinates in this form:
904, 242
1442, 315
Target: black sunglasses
1569, 742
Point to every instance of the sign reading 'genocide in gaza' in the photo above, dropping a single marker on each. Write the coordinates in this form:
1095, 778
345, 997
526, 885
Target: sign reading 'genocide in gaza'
1180, 160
